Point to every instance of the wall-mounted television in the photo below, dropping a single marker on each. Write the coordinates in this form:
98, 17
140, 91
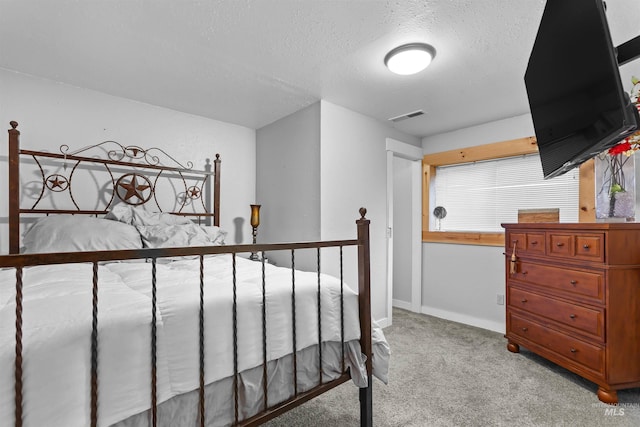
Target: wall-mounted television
578, 105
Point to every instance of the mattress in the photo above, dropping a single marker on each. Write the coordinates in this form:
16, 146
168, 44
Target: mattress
57, 330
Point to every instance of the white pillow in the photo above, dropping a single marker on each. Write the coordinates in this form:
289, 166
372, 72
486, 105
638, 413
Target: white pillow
179, 235
76, 233
139, 216
215, 233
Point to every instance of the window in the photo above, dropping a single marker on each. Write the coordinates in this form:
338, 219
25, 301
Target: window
479, 196
573, 193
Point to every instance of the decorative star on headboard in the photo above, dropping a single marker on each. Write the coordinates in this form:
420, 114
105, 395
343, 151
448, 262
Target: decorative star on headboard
142, 192
57, 182
194, 192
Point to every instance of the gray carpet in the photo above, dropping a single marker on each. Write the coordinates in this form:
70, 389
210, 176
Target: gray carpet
444, 373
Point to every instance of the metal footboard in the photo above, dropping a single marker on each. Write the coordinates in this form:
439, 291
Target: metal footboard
19, 262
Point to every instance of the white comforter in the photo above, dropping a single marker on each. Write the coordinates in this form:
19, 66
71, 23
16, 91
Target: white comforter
57, 346
57, 330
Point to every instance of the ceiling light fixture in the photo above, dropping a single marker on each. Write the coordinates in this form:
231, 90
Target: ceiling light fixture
409, 58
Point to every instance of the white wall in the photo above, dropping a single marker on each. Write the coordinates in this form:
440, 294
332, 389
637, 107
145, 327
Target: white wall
50, 114
317, 167
288, 183
353, 174
460, 282
623, 17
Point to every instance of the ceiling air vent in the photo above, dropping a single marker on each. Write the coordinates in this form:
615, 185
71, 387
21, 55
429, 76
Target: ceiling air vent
407, 116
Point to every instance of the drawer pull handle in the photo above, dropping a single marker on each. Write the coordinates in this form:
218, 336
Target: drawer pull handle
524, 300
535, 242
573, 316
559, 244
573, 350
573, 282
525, 329
586, 246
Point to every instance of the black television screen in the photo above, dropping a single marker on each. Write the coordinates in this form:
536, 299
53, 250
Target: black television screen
578, 105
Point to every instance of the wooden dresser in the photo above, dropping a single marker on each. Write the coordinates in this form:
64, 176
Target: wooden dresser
573, 297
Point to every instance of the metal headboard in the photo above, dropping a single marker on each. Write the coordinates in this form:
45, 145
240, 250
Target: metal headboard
133, 176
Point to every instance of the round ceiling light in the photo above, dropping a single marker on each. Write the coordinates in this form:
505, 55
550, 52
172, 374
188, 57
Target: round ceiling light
410, 58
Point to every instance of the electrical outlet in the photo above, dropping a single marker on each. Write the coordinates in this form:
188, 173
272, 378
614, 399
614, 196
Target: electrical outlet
500, 299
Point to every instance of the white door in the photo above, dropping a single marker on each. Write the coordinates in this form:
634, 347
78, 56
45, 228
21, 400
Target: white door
401, 233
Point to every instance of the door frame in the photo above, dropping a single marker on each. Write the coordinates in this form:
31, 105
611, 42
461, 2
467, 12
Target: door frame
414, 154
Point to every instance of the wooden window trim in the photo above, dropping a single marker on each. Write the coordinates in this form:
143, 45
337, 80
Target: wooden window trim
497, 150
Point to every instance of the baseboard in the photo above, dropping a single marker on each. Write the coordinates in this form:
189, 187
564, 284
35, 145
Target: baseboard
383, 323
465, 319
401, 304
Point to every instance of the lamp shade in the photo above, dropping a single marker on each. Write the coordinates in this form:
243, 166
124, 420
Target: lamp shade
410, 58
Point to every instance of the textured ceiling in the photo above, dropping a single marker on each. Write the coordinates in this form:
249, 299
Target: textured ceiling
251, 62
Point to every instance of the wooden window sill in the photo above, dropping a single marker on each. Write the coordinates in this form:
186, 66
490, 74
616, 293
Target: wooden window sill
463, 238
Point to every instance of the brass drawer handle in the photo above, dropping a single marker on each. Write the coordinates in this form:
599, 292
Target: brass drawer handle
559, 244
573, 350
585, 246
524, 300
573, 316
573, 282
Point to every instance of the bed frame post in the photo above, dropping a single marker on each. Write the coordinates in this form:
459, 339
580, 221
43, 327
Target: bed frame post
206, 193
364, 302
14, 188
216, 190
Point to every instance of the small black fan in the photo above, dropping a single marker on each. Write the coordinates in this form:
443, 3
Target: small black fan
439, 212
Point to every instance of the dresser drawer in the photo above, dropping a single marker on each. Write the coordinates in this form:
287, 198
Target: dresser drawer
581, 352
530, 242
575, 282
560, 245
578, 246
590, 247
583, 319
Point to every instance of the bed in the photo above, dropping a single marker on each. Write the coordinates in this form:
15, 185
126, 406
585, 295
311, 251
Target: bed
131, 309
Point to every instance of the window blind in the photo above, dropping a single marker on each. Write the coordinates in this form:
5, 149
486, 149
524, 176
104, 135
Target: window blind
480, 196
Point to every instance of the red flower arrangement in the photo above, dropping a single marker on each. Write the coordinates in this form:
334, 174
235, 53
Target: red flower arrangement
630, 144
617, 156
622, 148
